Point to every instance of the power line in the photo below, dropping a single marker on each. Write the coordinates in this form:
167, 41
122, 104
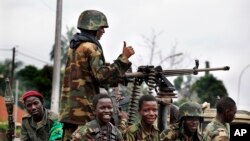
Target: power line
23, 49
5, 49
51, 9
45, 4
34, 58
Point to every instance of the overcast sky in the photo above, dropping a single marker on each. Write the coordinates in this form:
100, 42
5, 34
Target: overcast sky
209, 30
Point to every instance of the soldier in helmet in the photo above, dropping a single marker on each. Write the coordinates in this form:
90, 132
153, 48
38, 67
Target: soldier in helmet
86, 71
219, 128
187, 127
99, 129
145, 130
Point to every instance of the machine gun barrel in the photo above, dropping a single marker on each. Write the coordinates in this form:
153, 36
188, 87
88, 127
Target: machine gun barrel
177, 72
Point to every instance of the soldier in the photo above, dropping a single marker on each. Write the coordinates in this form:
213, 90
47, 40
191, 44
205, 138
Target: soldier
40, 124
187, 127
99, 129
122, 100
145, 130
86, 71
219, 128
174, 114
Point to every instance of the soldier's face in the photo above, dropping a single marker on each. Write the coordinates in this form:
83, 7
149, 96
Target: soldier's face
149, 112
104, 110
34, 106
100, 32
230, 114
191, 124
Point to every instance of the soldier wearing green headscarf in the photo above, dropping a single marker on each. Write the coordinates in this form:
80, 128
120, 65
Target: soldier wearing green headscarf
99, 129
186, 129
86, 71
145, 129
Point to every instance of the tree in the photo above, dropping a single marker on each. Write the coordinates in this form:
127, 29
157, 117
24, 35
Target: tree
65, 40
5, 70
208, 89
183, 85
151, 43
32, 78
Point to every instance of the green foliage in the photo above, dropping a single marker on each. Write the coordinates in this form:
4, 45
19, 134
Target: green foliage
65, 40
203, 89
3, 127
5, 71
32, 78
27, 75
181, 101
208, 88
178, 82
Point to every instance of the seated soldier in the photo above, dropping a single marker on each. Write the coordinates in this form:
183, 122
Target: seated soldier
145, 130
99, 129
40, 124
187, 127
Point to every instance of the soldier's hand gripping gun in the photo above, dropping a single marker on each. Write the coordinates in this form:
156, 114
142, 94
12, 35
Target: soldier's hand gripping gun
156, 79
9, 101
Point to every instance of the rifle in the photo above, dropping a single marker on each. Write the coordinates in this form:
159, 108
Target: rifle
116, 106
9, 101
155, 78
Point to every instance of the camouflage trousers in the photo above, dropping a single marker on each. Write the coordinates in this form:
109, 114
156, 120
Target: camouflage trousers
68, 130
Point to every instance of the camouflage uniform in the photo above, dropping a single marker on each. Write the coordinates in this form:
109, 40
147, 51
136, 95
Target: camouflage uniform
135, 132
92, 131
86, 72
215, 131
176, 131
41, 131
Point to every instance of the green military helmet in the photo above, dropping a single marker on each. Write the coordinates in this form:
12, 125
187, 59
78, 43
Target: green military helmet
190, 109
92, 20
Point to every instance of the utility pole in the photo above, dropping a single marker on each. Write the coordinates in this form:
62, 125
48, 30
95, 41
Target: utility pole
12, 66
57, 60
207, 67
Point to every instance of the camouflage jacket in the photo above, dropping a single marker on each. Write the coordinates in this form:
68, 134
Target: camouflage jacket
215, 131
135, 132
92, 131
85, 73
31, 131
175, 133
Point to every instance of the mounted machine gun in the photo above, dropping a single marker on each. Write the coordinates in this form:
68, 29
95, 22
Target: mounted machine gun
156, 79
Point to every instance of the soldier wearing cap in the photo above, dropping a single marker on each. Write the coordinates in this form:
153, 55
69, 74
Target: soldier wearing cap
187, 127
39, 124
86, 71
219, 128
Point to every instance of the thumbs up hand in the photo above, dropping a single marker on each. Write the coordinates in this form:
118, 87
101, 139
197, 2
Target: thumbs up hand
127, 50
